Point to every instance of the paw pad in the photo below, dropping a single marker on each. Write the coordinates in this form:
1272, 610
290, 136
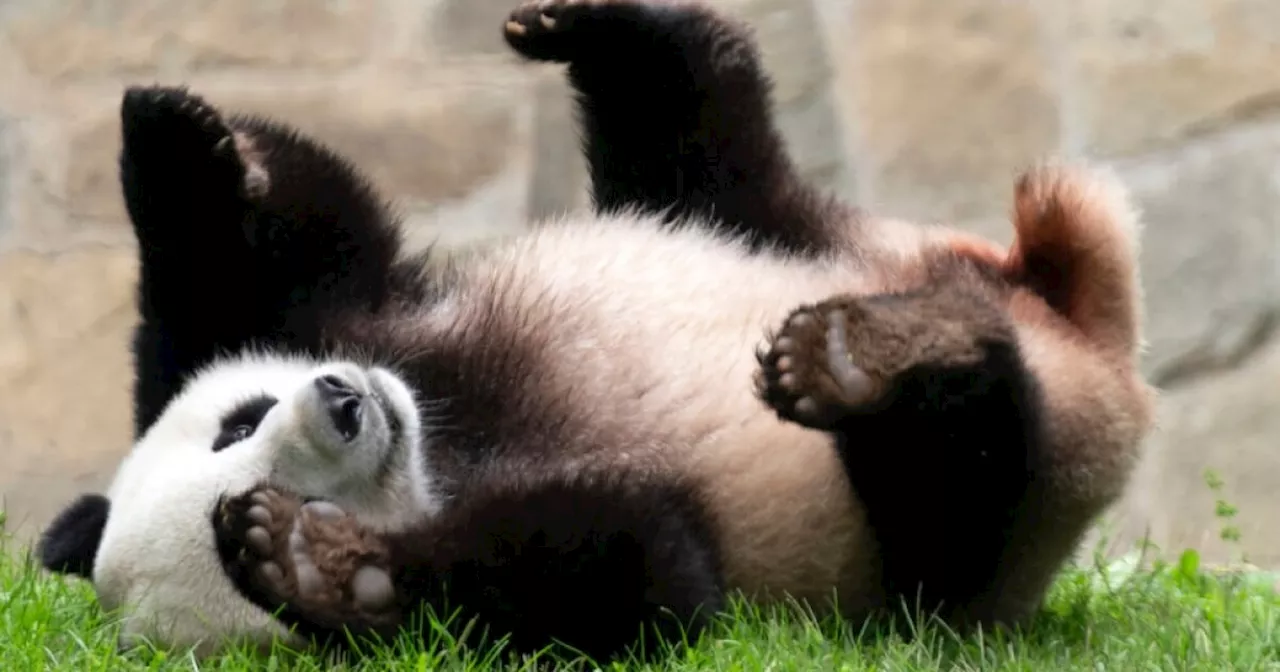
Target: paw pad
808, 374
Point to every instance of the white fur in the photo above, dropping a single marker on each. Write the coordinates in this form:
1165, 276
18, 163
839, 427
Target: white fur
157, 561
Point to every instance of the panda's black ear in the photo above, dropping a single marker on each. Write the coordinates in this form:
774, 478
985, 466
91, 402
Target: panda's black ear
70, 543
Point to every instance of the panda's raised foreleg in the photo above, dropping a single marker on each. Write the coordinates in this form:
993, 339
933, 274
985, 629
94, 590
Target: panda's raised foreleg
937, 419
247, 234
677, 115
593, 563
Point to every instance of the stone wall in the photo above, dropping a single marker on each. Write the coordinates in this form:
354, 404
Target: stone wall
920, 108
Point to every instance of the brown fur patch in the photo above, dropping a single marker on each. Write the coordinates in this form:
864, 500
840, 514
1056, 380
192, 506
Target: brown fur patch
1075, 248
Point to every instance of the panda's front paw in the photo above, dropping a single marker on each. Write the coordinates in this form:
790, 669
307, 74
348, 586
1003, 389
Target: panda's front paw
312, 558
566, 30
179, 140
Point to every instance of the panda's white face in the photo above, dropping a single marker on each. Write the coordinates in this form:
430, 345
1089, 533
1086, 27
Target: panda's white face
334, 430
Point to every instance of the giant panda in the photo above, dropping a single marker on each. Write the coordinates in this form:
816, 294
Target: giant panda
720, 381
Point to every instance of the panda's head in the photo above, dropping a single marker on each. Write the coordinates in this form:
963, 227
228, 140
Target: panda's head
337, 430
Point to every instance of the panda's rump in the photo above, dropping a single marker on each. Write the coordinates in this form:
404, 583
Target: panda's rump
651, 335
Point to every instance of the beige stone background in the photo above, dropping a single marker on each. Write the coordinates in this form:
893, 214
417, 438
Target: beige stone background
921, 108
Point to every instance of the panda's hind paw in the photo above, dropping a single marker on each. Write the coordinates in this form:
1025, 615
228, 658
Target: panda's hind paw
566, 30
807, 373
922, 351
312, 557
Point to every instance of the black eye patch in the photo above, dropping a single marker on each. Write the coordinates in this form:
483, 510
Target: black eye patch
242, 421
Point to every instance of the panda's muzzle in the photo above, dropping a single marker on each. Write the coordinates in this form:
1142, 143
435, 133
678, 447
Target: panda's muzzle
344, 404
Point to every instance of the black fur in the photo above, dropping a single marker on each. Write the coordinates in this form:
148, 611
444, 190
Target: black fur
69, 544
968, 437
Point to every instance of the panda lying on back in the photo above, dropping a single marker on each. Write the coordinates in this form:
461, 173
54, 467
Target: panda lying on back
561, 434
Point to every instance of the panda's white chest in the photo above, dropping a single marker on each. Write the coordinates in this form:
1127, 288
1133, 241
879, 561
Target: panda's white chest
652, 323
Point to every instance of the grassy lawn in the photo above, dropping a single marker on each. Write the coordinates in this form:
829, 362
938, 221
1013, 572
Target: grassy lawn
1167, 617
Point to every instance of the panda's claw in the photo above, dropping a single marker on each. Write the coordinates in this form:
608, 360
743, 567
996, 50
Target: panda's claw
224, 147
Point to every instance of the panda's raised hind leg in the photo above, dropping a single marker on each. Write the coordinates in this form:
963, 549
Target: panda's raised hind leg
677, 115
937, 420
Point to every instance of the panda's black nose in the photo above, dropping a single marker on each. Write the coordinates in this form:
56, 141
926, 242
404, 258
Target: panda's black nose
344, 404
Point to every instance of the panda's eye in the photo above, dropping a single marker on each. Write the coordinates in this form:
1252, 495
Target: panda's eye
242, 421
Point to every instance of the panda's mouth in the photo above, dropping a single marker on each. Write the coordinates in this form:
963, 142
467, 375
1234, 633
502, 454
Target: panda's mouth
359, 414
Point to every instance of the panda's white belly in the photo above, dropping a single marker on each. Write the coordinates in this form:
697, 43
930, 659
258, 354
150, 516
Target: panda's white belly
655, 330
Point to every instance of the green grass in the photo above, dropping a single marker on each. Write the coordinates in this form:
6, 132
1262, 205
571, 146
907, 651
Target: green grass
1129, 614
1163, 617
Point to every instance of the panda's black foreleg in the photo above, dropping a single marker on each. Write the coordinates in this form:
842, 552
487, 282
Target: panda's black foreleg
938, 421
677, 115
597, 566
247, 234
